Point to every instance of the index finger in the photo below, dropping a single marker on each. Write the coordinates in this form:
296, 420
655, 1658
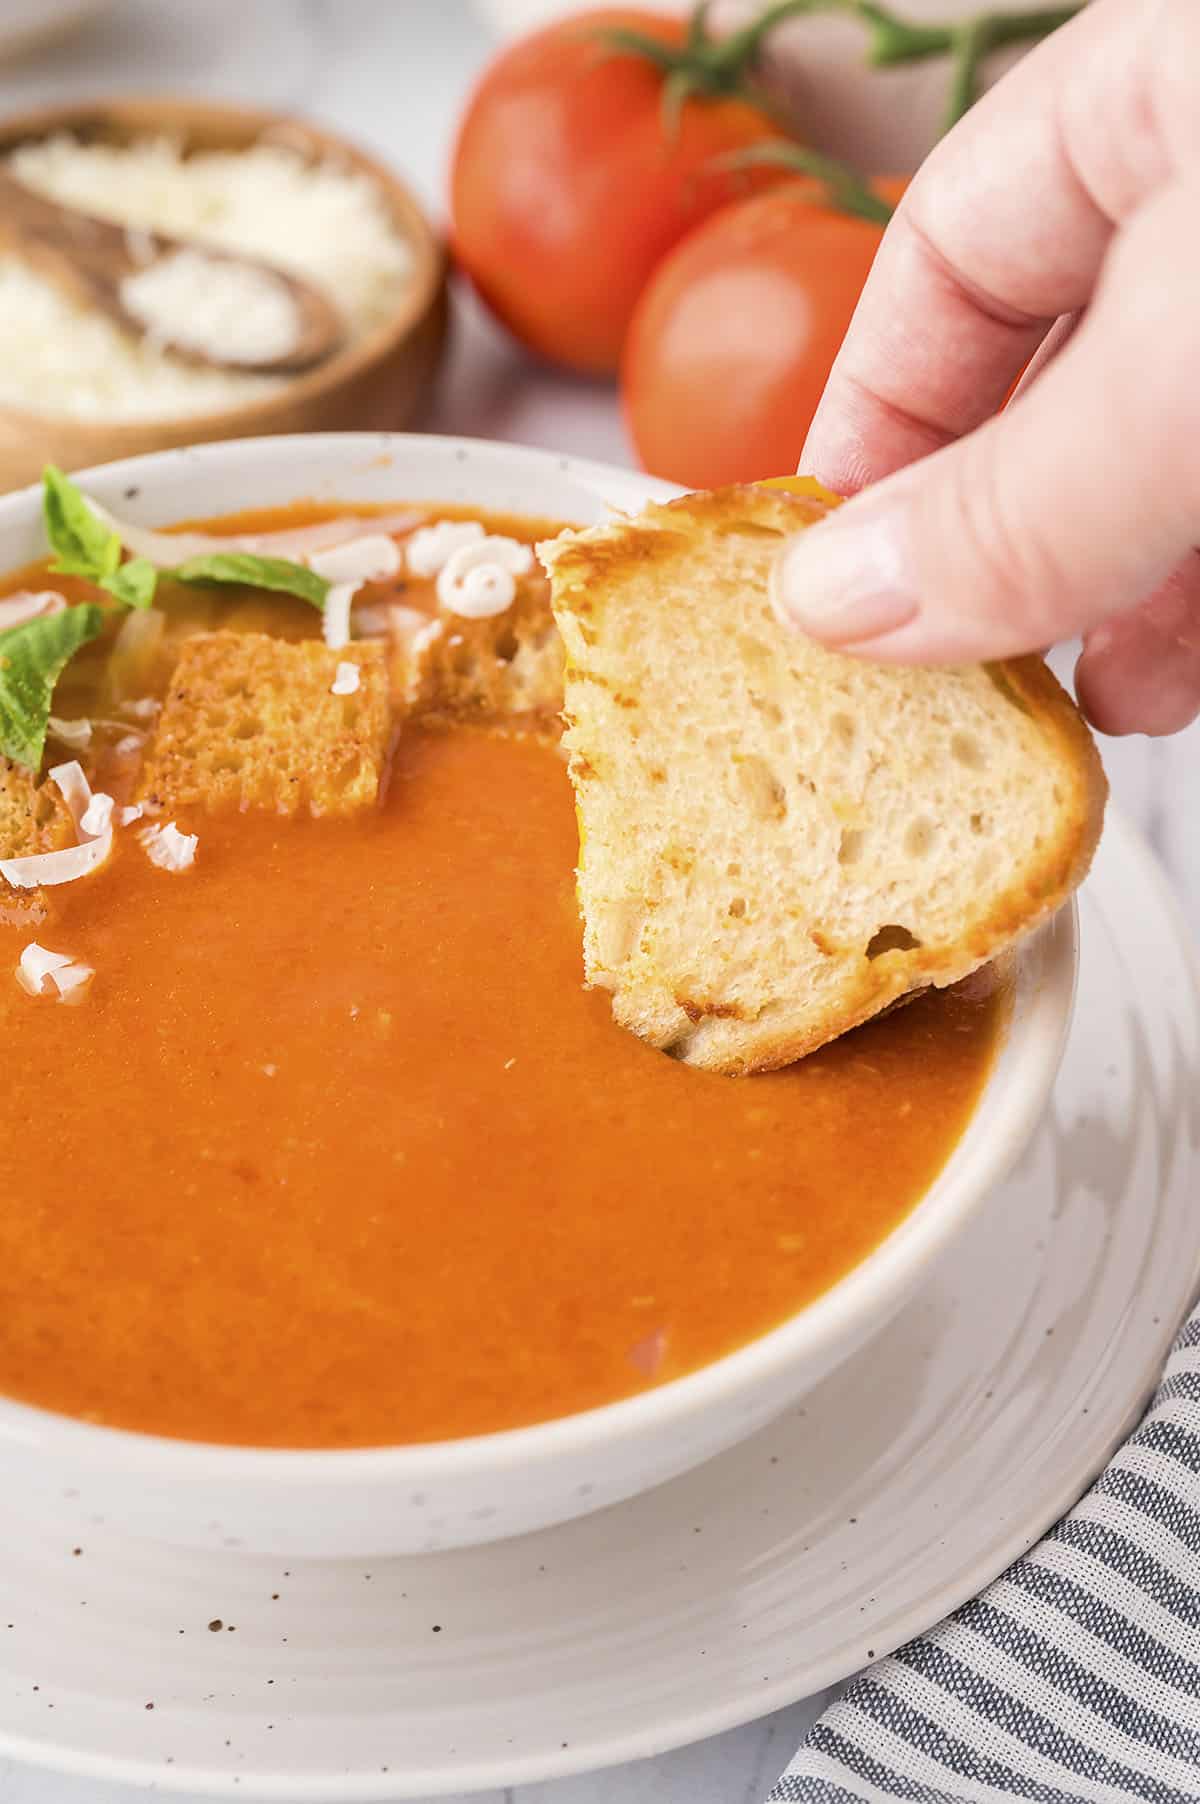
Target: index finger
1003, 229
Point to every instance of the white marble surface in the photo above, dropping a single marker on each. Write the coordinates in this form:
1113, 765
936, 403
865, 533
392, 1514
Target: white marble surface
391, 73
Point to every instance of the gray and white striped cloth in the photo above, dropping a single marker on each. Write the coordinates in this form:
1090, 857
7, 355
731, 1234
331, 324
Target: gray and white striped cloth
1074, 1678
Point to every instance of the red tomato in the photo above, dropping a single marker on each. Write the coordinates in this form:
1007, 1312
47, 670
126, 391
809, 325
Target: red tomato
570, 183
733, 339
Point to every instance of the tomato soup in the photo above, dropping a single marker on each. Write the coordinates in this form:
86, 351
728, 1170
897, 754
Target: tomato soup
338, 1151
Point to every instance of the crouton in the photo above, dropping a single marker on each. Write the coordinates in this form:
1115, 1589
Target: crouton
33, 818
251, 721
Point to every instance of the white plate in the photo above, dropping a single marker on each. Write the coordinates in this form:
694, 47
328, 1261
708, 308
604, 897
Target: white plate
907, 1481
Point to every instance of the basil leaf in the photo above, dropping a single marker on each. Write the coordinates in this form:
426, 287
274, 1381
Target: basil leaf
85, 546
82, 544
32, 658
134, 583
256, 573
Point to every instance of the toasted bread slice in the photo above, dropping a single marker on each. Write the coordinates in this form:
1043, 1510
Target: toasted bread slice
250, 721
33, 818
779, 841
506, 669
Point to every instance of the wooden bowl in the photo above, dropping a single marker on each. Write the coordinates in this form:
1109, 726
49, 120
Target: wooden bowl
375, 383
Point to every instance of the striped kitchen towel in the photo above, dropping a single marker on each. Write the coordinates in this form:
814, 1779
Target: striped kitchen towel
1074, 1678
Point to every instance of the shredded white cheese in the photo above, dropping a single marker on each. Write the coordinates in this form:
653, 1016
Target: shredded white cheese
133, 812
92, 815
167, 847
36, 964
51, 868
346, 679
233, 312
75, 733
479, 579
372, 559
336, 626
327, 222
97, 816
405, 622
28, 604
41, 972
428, 550
75, 790
429, 634
145, 707
372, 622
300, 543
71, 980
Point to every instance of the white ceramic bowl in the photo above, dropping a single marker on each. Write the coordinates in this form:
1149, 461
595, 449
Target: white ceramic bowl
413, 1499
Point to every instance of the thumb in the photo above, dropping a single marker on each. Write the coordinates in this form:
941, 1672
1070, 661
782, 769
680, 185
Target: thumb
1063, 510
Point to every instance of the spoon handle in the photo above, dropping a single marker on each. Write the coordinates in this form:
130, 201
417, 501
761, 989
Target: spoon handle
88, 259
85, 256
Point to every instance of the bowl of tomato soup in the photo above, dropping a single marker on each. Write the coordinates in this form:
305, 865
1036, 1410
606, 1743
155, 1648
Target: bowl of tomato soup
340, 1218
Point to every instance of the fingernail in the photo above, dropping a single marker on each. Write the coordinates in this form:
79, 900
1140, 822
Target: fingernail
847, 578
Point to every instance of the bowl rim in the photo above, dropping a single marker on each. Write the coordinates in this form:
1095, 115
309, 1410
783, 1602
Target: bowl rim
168, 114
1017, 1087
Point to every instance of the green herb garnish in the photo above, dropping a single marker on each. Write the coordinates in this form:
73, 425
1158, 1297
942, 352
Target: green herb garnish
133, 585
84, 546
276, 573
32, 658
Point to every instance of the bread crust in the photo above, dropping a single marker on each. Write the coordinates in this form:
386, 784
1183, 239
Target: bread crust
590, 571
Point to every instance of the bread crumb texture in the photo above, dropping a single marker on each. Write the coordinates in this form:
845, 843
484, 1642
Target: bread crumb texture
505, 669
33, 816
779, 841
251, 721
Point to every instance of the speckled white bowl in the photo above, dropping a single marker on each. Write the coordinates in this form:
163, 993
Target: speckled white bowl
454, 1493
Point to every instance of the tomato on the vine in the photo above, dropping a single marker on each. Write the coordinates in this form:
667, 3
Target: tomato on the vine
733, 339
582, 160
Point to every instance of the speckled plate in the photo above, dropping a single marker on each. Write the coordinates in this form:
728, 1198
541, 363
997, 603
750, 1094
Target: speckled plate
907, 1481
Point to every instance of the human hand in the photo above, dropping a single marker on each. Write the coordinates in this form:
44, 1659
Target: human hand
1071, 194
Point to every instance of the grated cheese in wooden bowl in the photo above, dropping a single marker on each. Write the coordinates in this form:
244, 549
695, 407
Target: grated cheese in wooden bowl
327, 222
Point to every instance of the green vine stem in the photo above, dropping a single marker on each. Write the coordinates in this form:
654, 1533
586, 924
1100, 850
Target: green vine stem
723, 67
844, 189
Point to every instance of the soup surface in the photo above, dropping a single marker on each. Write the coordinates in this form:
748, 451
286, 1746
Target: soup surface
338, 1151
